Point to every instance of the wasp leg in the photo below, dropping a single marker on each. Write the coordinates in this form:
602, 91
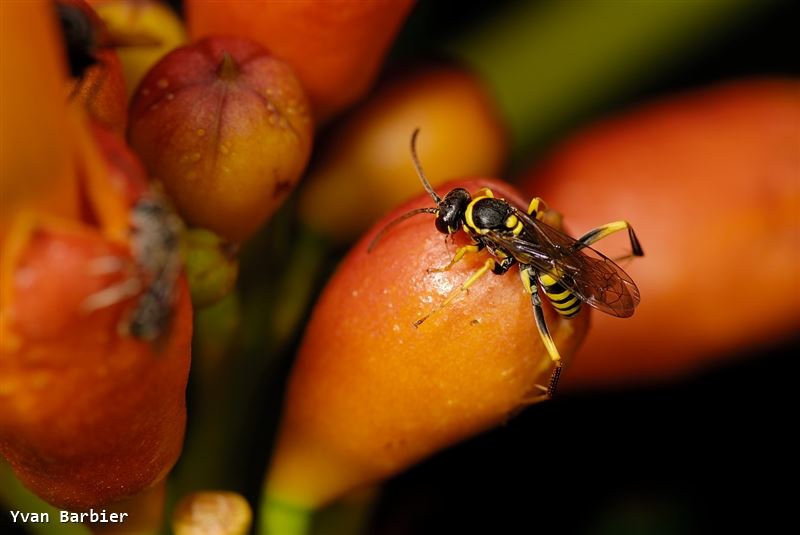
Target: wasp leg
538, 210
604, 231
487, 266
460, 253
111, 295
536, 207
528, 280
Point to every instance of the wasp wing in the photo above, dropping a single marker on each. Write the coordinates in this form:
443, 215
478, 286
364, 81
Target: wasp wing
590, 275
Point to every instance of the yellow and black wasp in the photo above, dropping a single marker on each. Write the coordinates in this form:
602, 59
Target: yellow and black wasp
568, 271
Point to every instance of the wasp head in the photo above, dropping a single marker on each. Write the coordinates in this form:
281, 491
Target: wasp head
450, 211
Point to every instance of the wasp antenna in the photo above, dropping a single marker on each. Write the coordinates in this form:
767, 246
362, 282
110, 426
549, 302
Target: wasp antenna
394, 223
420, 172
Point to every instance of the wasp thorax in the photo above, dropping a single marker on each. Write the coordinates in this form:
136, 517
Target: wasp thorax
451, 210
490, 213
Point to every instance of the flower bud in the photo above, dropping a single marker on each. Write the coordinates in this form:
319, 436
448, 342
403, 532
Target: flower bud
226, 127
212, 513
709, 180
335, 47
371, 394
365, 171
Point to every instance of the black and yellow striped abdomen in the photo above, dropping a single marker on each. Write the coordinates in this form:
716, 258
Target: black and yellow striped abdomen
562, 299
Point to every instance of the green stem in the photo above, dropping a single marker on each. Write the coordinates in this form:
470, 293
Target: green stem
231, 361
349, 516
209, 439
278, 517
298, 285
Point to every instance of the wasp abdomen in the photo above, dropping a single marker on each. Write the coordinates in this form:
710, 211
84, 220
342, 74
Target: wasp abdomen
564, 301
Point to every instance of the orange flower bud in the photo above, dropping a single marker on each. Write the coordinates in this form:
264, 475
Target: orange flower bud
710, 182
365, 171
370, 394
89, 412
336, 47
37, 162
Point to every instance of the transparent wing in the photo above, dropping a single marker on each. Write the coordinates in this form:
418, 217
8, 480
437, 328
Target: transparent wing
590, 275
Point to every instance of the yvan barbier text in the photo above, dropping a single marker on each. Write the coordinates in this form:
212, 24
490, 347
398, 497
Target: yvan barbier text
67, 517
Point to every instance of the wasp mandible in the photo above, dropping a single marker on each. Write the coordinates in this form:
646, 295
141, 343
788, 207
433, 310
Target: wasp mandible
568, 271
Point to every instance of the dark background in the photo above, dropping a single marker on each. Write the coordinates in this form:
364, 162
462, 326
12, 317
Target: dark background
710, 454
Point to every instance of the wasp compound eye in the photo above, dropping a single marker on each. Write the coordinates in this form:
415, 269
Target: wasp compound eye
451, 211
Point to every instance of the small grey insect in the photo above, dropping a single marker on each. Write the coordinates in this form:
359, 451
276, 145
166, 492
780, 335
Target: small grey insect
155, 246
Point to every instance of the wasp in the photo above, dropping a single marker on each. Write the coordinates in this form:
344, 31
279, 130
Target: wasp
568, 271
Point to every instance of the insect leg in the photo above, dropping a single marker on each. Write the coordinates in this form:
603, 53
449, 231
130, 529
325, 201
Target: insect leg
116, 293
111, 295
599, 233
480, 272
536, 206
538, 210
529, 281
460, 253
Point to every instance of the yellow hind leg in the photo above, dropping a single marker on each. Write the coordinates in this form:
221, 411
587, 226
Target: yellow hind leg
528, 277
597, 234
